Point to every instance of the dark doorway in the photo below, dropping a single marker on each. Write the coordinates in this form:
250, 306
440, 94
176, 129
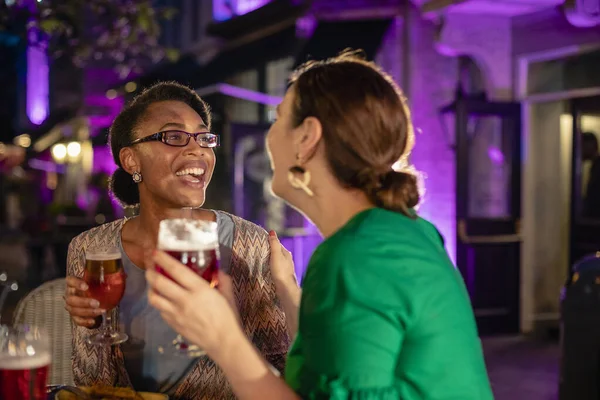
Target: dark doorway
488, 207
585, 178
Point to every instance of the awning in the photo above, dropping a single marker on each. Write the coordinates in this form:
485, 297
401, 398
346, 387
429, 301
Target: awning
274, 10
248, 56
331, 37
328, 39
229, 62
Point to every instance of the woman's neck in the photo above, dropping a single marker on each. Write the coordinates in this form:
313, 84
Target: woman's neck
329, 216
146, 224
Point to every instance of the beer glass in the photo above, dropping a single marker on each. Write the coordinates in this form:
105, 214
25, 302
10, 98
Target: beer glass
195, 244
106, 283
24, 362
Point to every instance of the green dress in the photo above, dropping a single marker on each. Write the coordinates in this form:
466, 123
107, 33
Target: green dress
385, 315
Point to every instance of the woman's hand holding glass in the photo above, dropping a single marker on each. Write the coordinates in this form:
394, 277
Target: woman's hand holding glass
83, 309
204, 316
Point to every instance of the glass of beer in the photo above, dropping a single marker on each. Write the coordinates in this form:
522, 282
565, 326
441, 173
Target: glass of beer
195, 244
24, 362
106, 283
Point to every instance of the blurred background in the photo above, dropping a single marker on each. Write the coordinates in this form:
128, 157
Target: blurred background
505, 95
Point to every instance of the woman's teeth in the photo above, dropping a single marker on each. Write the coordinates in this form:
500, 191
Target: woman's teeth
196, 172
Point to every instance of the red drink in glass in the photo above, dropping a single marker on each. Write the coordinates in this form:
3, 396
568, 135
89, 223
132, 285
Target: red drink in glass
24, 362
203, 262
24, 378
105, 284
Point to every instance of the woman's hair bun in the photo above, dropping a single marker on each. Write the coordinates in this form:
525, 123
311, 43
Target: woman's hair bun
392, 190
124, 188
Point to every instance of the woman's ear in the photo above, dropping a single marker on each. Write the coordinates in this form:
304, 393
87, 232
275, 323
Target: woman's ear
129, 160
309, 135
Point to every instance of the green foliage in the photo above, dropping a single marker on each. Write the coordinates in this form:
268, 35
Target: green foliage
124, 33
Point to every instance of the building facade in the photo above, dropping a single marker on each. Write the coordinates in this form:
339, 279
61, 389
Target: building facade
491, 86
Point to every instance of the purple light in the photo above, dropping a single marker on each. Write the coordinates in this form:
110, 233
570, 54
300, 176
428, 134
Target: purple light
82, 201
495, 155
240, 93
227, 9
46, 166
432, 155
103, 161
435, 160
106, 110
37, 84
305, 26
246, 6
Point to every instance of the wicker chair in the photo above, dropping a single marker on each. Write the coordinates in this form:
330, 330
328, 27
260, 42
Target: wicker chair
44, 307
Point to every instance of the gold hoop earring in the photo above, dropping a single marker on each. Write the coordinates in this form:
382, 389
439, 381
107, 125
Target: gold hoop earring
301, 182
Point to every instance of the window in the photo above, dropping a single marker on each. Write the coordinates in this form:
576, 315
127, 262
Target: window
240, 110
278, 72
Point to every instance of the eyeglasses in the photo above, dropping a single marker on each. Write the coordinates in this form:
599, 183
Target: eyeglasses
181, 138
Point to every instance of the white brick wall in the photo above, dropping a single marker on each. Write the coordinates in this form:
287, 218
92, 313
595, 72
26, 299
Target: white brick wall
432, 83
432, 79
389, 56
488, 40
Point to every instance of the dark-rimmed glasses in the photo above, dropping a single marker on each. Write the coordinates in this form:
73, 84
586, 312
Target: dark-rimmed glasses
181, 138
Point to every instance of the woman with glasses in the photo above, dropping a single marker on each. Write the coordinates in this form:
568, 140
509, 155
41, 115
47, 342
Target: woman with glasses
163, 147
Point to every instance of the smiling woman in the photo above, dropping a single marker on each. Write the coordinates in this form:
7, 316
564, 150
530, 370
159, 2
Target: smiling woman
163, 147
162, 109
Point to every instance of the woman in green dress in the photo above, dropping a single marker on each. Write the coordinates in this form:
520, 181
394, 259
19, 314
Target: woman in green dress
383, 313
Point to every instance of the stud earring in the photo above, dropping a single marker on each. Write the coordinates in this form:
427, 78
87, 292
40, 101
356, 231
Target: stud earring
137, 177
299, 178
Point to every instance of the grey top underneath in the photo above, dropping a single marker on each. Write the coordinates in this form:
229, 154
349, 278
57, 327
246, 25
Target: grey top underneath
148, 369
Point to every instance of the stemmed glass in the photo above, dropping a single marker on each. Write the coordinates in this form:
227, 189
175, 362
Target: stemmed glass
195, 244
105, 278
25, 359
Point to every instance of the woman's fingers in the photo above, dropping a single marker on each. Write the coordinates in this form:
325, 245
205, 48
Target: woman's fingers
281, 262
76, 283
83, 312
85, 322
162, 304
81, 302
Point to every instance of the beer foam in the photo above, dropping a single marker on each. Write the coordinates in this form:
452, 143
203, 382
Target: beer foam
99, 255
25, 362
186, 235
